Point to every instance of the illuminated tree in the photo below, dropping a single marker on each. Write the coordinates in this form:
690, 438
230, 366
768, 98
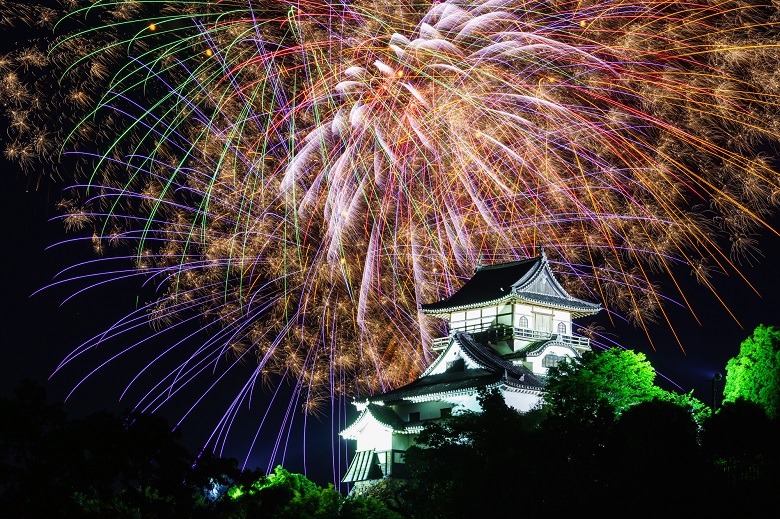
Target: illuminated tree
754, 374
614, 379
584, 401
285, 494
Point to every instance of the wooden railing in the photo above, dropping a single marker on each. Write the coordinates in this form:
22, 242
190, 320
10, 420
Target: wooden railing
524, 334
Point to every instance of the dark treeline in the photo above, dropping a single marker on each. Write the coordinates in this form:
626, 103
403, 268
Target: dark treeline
608, 441
652, 461
135, 466
605, 440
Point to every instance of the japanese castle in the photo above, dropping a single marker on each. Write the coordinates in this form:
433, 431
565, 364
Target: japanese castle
507, 325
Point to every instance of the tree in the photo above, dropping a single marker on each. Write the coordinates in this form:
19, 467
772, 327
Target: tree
615, 379
467, 465
284, 494
605, 438
653, 457
35, 465
741, 443
583, 398
754, 374
106, 465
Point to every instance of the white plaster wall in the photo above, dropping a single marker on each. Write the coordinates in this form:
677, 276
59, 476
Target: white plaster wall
536, 362
523, 402
427, 410
374, 436
432, 409
464, 403
403, 441
559, 316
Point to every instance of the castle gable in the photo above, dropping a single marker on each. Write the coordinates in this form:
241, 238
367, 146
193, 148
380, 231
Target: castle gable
542, 282
451, 358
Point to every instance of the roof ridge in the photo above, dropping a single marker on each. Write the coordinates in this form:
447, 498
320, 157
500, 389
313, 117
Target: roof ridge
508, 263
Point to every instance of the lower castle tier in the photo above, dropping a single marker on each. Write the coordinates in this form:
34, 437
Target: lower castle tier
508, 324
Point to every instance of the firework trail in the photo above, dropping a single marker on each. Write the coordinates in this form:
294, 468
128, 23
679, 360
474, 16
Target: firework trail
300, 176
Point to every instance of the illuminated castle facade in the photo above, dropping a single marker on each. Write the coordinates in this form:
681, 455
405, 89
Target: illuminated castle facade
507, 325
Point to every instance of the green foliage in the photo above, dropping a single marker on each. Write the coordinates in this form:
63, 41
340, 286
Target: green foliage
616, 379
603, 434
582, 404
603, 428
754, 374
700, 411
388, 498
287, 495
584, 397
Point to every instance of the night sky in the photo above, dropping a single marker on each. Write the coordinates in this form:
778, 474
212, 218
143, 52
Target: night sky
39, 331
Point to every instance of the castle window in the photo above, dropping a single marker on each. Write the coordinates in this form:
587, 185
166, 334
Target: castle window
562, 328
414, 417
551, 360
523, 322
446, 411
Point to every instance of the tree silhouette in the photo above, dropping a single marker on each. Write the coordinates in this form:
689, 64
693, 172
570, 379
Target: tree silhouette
134, 465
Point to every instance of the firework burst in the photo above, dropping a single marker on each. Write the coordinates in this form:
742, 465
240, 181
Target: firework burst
300, 176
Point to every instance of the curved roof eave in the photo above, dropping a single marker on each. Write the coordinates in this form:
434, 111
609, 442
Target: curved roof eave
457, 308
538, 350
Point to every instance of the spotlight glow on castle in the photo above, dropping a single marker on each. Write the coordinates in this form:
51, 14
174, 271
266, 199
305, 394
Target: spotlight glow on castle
507, 325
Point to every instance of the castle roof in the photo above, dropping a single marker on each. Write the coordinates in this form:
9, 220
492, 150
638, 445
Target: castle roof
488, 368
365, 465
529, 281
448, 382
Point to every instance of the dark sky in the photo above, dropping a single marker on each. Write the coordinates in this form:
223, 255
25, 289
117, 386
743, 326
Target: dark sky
39, 332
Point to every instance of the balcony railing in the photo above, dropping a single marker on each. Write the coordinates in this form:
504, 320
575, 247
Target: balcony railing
439, 343
523, 334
